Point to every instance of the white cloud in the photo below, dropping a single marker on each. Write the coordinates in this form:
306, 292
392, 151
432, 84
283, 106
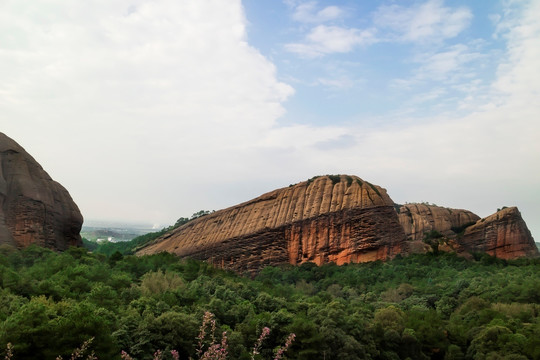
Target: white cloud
443, 65
128, 103
483, 160
309, 12
157, 110
323, 40
426, 22
339, 83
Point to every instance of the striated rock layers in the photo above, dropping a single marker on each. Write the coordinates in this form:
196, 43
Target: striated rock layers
503, 234
418, 219
339, 219
34, 209
326, 219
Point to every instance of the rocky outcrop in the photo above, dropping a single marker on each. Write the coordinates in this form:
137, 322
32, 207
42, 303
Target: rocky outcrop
420, 219
339, 219
34, 209
328, 218
503, 234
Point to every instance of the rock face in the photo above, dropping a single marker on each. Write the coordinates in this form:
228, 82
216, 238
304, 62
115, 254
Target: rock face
419, 219
328, 218
34, 209
339, 219
503, 234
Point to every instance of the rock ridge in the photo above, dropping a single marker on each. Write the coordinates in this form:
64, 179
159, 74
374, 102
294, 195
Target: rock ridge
327, 218
340, 219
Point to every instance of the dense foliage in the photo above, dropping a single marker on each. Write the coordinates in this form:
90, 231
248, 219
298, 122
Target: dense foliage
419, 307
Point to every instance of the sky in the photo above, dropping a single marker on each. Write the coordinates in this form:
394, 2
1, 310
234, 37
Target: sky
151, 110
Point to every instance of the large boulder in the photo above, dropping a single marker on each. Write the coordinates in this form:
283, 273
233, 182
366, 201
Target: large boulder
326, 219
503, 234
34, 209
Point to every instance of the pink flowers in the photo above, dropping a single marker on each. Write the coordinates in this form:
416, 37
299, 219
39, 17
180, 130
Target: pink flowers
9, 351
206, 339
264, 334
279, 353
214, 351
281, 350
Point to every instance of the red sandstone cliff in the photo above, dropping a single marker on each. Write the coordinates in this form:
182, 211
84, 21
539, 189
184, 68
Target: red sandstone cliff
503, 234
418, 219
338, 219
34, 209
330, 218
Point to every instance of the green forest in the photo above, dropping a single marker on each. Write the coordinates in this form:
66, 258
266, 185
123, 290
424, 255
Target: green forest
417, 307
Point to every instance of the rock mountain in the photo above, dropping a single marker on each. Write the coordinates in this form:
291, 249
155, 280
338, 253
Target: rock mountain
333, 218
339, 219
34, 209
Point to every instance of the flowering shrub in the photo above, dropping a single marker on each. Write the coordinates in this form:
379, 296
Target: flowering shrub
205, 340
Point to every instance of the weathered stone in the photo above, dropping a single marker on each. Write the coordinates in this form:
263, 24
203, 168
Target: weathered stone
338, 218
418, 219
503, 234
34, 209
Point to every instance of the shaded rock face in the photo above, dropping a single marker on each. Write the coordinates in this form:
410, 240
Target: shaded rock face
503, 234
329, 218
34, 209
419, 219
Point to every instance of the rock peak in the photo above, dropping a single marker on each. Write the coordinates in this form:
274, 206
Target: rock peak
503, 234
34, 209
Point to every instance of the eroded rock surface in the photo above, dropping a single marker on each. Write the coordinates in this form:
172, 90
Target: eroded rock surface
34, 209
418, 219
503, 234
339, 219
329, 218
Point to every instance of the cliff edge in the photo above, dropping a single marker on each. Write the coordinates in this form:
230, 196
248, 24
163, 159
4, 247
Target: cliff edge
34, 209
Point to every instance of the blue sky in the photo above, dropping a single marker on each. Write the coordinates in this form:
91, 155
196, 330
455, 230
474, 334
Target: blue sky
415, 58
152, 110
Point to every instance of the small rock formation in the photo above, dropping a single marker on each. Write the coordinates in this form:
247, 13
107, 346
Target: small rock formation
34, 209
337, 219
419, 219
503, 234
